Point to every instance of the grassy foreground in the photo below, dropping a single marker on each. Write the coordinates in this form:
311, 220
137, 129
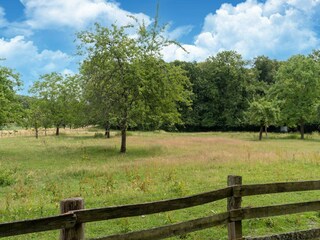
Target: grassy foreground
36, 174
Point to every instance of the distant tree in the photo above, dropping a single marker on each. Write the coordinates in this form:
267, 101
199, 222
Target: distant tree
200, 114
266, 69
315, 56
10, 107
263, 112
206, 96
134, 84
75, 103
228, 83
60, 98
297, 88
35, 114
49, 90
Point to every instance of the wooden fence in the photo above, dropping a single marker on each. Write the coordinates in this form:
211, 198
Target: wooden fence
73, 215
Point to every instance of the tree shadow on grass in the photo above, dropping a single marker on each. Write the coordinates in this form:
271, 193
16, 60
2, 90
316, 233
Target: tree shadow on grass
100, 154
132, 152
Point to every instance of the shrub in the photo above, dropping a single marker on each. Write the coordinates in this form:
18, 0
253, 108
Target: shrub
6, 178
98, 135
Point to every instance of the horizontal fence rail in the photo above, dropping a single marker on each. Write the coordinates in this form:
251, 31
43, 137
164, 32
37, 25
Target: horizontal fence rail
271, 211
38, 225
258, 189
92, 215
173, 229
235, 214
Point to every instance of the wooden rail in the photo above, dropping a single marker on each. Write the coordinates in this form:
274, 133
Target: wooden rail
172, 229
38, 225
98, 214
73, 216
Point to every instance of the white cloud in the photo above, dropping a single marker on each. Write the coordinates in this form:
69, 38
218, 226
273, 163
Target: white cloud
179, 32
67, 71
3, 20
76, 13
12, 28
26, 57
277, 28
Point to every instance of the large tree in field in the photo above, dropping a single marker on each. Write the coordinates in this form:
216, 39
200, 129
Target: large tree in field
297, 88
134, 85
9, 105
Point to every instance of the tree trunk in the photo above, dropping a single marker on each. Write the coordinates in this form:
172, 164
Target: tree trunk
260, 133
302, 130
57, 131
37, 131
266, 130
123, 148
45, 131
107, 131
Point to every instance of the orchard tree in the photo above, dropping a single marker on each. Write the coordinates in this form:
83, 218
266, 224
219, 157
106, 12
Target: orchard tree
60, 98
10, 108
109, 73
49, 90
297, 88
97, 106
263, 112
134, 84
74, 103
36, 115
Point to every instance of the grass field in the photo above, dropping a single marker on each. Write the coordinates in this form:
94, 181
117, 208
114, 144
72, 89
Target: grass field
35, 174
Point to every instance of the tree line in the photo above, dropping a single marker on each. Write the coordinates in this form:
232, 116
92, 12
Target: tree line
124, 83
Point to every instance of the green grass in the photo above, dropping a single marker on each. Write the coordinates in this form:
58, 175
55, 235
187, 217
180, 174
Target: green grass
35, 174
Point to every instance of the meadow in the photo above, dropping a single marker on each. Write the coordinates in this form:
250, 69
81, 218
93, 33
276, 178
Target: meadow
35, 174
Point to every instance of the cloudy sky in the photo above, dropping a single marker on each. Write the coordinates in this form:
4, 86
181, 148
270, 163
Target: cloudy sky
37, 36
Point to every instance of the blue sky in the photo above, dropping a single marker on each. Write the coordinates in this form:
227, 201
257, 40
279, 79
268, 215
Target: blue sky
37, 36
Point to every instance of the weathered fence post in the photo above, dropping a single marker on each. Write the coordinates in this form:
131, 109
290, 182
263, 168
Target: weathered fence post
234, 202
77, 232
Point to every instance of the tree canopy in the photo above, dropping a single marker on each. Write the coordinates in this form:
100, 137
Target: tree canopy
297, 89
59, 97
128, 82
125, 83
9, 105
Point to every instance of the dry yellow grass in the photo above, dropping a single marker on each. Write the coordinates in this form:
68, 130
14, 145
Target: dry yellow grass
157, 166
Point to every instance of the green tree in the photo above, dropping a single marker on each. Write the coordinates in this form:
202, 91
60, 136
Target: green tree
97, 106
266, 69
60, 98
36, 115
199, 115
10, 109
297, 88
134, 84
228, 83
74, 101
263, 112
